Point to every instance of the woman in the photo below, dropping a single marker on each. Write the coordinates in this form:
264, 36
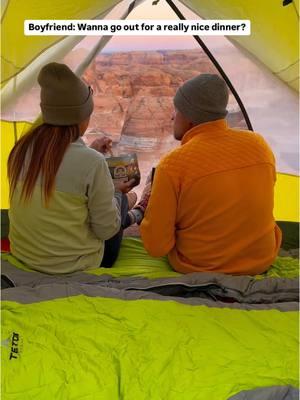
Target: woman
63, 202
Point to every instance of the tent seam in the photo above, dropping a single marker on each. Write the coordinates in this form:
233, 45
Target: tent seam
286, 68
10, 62
293, 80
295, 8
4, 12
47, 48
18, 121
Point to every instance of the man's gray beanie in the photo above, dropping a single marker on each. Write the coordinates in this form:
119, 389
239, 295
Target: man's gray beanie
202, 99
65, 98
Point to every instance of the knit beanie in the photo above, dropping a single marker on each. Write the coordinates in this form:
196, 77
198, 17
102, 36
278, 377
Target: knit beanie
202, 99
65, 98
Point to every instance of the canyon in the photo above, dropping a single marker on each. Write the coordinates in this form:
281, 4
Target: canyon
133, 97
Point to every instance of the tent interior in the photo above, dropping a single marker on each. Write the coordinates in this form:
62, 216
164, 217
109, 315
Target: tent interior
134, 79
141, 330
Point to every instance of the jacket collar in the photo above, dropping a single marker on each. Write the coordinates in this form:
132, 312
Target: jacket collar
79, 142
208, 130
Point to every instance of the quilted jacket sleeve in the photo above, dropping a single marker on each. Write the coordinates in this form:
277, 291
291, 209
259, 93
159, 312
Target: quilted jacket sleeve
158, 226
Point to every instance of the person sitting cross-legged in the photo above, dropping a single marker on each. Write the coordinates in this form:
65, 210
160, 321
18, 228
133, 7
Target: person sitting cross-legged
211, 203
65, 213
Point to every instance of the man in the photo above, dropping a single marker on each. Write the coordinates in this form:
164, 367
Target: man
211, 204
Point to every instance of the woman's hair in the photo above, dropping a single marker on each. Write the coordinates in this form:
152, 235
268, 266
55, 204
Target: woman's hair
42, 149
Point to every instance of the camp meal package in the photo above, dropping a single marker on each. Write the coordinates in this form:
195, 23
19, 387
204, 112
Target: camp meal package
124, 168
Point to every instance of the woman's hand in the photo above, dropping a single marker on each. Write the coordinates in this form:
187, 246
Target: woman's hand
102, 144
124, 187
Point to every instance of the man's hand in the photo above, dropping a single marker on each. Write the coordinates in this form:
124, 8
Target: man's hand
124, 187
102, 144
142, 204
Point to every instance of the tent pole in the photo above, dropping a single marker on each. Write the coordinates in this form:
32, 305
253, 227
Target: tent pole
14, 122
217, 65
